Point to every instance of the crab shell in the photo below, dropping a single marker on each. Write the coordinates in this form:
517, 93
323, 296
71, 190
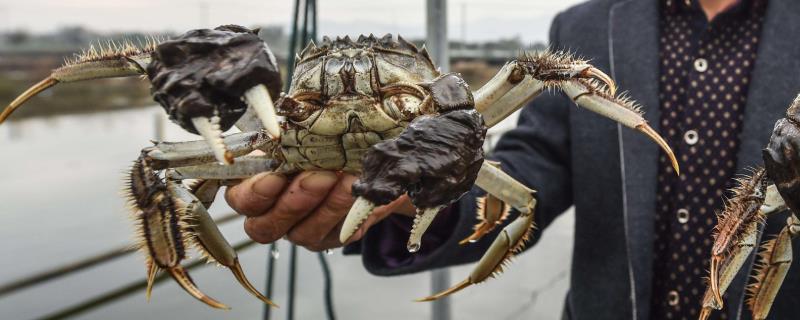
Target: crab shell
346, 96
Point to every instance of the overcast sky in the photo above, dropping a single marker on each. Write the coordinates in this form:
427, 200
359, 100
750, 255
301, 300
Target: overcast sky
483, 20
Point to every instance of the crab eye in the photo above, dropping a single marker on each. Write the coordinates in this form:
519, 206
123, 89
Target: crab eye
401, 105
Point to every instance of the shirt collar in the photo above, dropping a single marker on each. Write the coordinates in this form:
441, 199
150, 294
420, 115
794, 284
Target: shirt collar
681, 6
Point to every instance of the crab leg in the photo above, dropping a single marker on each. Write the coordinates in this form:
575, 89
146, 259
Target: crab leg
589, 87
776, 258
503, 193
207, 237
181, 154
244, 167
730, 267
110, 62
163, 229
511, 239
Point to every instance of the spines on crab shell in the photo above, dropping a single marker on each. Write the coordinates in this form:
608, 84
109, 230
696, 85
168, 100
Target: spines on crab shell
385, 43
740, 210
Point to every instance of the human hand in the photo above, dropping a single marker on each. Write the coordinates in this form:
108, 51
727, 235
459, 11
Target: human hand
308, 210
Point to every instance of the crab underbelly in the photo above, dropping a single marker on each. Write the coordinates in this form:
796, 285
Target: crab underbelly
303, 150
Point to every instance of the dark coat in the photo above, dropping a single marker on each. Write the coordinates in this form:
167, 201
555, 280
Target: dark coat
608, 172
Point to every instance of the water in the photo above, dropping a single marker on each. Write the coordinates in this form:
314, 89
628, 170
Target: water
59, 199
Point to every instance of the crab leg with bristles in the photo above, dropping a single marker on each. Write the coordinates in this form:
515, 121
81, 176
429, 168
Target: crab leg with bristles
589, 87
206, 235
111, 61
775, 260
512, 238
163, 229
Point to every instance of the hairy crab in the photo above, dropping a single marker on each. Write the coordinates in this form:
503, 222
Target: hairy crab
768, 191
376, 107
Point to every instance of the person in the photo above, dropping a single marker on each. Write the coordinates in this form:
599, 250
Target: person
713, 76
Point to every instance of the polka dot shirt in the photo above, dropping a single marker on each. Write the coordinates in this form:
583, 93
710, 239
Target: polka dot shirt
704, 76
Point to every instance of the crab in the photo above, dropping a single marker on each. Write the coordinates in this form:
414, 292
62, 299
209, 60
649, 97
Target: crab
770, 190
373, 107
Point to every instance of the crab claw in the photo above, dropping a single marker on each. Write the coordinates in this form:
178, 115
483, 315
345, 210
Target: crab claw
258, 98
510, 240
359, 212
182, 278
422, 221
210, 130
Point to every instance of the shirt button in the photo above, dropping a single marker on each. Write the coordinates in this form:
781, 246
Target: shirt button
701, 65
672, 298
683, 215
691, 137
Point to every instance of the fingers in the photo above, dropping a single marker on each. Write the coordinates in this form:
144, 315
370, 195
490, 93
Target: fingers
255, 195
314, 228
303, 195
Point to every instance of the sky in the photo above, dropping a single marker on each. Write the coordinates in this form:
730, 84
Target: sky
471, 20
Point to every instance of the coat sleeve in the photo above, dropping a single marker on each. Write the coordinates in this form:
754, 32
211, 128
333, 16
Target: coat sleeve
536, 152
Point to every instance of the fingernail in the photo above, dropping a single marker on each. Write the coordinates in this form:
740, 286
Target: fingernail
318, 181
267, 185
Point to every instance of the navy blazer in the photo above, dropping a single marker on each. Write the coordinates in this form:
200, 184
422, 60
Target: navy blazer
608, 172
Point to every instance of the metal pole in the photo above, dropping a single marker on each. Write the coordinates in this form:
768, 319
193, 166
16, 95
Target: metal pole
438, 47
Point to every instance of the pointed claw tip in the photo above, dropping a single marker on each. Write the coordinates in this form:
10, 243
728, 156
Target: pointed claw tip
456, 288
236, 268
653, 135
182, 278
25, 96
413, 247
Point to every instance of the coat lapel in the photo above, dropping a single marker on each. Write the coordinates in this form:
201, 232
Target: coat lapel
633, 37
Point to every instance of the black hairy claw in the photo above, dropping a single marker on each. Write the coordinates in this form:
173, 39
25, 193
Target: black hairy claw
436, 160
206, 72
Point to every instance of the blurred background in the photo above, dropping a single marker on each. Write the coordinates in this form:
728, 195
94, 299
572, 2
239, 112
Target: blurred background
62, 157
